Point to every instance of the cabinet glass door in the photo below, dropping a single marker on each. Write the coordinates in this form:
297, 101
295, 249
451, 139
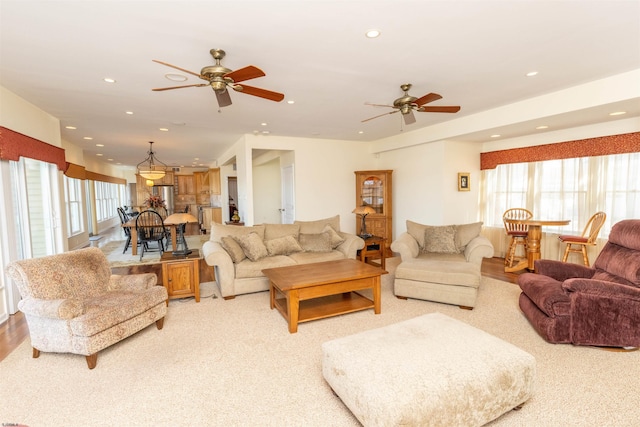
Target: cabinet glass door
372, 193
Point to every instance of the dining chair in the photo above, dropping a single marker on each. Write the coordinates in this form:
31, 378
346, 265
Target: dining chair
127, 231
578, 244
517, 232
150, 228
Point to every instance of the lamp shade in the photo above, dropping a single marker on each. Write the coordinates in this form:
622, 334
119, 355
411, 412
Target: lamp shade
151, 167
151, 174
364, 210
180, 218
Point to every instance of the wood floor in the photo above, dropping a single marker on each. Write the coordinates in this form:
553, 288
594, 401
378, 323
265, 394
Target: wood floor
15, 330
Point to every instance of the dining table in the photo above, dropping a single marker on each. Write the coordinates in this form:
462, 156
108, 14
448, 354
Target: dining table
131, 225
534, 235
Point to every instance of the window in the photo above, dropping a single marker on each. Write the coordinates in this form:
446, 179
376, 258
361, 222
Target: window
572, 189
108, 198
73, 201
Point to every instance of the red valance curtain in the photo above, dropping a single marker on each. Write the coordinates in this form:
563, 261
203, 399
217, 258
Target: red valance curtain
601, 146
14, 145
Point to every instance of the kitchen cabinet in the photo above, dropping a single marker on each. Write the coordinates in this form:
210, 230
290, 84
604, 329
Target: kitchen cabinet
186, 184
210, 215
214, 181
374, 189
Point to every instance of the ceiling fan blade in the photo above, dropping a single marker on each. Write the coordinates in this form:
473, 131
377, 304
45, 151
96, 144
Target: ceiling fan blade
378, 105
409, 118
246, 73
262, 93
430, 97
375, 117
180, 87
181, 69
450, 109
224, 99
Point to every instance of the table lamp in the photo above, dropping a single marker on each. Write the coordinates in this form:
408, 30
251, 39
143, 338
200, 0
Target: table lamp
179, 219
363, 211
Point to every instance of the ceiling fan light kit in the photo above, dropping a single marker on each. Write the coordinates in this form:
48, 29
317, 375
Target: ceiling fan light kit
221, 78
407, 104
151, 168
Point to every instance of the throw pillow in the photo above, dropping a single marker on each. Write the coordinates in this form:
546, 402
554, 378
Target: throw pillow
315, 242
465, 233
218, 231
253, 246
282, 246
336, 239
233, 248
440, 239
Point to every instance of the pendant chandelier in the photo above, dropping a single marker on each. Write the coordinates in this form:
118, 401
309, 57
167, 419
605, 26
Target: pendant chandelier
151, 168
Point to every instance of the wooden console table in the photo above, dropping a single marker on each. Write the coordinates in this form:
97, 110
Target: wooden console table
181, 275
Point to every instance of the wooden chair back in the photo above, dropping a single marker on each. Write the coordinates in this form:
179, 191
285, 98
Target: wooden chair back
512, 220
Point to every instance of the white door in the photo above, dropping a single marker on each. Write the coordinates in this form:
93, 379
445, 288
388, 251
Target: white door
288, 209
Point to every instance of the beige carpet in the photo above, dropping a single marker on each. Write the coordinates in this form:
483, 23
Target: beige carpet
233, 363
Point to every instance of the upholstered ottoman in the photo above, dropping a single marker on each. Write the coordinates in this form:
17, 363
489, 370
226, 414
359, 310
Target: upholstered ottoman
428, 371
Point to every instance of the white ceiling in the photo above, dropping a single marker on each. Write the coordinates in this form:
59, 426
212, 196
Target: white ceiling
475, 54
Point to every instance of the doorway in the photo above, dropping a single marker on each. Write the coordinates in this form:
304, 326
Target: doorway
232, 188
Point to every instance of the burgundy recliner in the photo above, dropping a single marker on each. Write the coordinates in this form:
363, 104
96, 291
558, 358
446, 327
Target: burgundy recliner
599, 305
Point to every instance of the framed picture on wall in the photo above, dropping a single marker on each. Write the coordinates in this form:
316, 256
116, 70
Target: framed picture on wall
464, 183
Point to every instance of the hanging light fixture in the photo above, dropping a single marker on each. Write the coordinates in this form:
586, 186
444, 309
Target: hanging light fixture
148, 168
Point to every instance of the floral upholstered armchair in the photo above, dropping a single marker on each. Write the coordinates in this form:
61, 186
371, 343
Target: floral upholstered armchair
73, 304
599, 305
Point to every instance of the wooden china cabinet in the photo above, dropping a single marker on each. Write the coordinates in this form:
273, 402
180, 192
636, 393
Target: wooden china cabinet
374, 188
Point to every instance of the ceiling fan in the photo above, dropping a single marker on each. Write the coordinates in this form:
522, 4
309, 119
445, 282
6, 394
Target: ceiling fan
221, 78
407, 104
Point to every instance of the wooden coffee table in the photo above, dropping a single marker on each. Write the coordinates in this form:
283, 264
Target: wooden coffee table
314, 291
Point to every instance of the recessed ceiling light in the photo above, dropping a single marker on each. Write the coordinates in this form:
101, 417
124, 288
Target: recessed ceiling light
291, 102
99, 154
617, 113
265, 132
361, 132
372, 34
88, 138
532, 73
70, 127
542, 127
175, 77
163, 130
129, 112
99, 145
196, 158
109, 80
496, 135
263, 124
111, 160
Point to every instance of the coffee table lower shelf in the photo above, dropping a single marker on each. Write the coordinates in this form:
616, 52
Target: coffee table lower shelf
328, 306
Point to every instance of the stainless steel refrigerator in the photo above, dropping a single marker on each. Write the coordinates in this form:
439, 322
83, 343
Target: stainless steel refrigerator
166, 193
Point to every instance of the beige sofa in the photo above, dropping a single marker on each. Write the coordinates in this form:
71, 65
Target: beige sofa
239, 254
441, 264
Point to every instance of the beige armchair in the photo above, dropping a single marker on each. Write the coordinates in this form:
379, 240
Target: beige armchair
73, 304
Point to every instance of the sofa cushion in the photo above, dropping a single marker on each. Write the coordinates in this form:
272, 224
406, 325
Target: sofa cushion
440, 239
416, 231
273, 231
218, 231
233, 248
311, 257
312, 227
466, 233
253, 246
437, 271
250, 269
336, 239
284, 245
320, 242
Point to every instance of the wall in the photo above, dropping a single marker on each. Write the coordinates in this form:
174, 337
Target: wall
324, 178
267, 192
